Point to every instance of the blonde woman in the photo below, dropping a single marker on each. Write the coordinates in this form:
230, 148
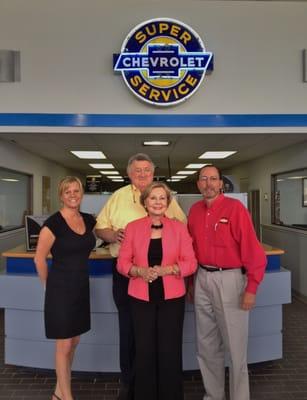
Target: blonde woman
157, 254
68, 235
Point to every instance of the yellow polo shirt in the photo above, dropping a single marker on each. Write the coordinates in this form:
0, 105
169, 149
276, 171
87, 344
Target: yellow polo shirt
123, 207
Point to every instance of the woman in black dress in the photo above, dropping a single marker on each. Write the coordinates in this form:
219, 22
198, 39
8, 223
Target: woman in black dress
68, 235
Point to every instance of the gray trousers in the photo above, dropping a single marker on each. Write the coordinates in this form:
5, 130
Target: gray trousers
221, 329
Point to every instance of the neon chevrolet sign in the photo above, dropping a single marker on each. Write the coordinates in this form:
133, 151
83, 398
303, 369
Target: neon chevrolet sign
163, 61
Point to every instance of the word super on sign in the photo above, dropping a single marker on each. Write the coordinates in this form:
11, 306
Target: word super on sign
163, 61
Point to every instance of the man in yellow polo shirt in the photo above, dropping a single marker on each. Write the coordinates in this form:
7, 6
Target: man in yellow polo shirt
123, 207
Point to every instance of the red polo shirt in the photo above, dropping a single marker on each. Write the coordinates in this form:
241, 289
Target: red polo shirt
223, 236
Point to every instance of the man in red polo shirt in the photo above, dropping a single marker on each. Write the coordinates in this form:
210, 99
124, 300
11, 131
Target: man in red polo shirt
231, 266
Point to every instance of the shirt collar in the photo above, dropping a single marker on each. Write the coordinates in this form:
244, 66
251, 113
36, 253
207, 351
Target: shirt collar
136, 193
135, 189
216, 202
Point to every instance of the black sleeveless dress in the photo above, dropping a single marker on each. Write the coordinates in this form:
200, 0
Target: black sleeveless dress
155, 253
67, 299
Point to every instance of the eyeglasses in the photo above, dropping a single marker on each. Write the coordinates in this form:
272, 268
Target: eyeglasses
209, 178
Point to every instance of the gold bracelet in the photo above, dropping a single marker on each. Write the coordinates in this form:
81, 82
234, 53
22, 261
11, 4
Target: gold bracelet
175, 270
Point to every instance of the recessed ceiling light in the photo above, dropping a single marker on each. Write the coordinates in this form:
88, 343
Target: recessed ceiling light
217, 154
296, 177
9, 180
93, 176
118, 180
173, 180
179, 176
156, 143
191, 166
89, 154
109, 172
185, 172
102, 165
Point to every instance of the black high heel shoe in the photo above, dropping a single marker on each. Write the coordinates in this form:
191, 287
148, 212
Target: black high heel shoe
56, 396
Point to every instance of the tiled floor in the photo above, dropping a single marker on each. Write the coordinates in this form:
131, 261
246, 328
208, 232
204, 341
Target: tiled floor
285, 379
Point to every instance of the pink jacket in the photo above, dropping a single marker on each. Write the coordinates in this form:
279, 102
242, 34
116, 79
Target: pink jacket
177, 249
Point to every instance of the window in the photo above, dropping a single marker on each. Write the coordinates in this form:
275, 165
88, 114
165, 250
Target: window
289, 198
15, 199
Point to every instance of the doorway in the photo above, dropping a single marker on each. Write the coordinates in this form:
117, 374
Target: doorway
254, 208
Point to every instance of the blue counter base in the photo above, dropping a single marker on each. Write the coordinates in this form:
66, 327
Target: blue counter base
25, 344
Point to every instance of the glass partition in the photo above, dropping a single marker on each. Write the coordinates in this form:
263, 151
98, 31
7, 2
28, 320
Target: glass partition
15, 199
289, 198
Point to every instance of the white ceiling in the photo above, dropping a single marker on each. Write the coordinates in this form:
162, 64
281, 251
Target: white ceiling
184, 148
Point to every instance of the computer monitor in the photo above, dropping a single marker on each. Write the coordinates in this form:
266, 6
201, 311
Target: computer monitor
33, 224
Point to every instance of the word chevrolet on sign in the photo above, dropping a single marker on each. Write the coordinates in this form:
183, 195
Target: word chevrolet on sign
162, 60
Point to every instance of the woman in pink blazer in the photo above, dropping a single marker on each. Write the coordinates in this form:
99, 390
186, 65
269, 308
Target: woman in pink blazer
157, 254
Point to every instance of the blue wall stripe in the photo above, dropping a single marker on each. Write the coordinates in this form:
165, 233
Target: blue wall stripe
154, 120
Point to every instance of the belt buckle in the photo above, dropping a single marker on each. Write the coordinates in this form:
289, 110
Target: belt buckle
210, 268
214, 269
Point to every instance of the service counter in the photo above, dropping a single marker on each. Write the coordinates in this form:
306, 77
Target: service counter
22, 297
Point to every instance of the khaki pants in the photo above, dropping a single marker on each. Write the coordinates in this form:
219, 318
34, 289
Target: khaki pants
222, 328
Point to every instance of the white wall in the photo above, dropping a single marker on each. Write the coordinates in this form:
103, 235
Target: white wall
14, 157
67, 45
258, 173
